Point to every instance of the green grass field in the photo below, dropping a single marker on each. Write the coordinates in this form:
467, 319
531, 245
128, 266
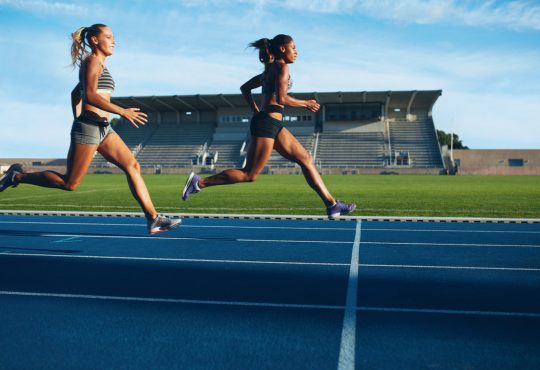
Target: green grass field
398, 195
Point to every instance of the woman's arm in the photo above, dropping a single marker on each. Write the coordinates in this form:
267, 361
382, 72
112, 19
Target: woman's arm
284, 98
246, 88
92, 72
76, 101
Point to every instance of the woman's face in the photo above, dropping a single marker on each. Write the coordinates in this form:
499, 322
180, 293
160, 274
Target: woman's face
289, 52
104, 41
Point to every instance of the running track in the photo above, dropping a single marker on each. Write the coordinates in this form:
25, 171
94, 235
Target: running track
98, 293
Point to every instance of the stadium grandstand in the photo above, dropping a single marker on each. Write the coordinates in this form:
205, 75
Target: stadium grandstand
354, 132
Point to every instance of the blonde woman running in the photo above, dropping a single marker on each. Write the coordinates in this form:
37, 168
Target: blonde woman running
91, 130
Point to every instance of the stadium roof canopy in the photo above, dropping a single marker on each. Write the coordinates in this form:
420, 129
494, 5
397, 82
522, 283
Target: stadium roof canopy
423, 99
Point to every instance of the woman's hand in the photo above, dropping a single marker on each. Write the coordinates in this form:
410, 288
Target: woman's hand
134, 116
312, 105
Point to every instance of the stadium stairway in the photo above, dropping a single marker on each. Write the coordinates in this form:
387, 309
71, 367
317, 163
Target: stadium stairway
418, 138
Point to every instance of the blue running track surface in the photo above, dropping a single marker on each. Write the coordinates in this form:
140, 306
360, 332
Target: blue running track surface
99, 293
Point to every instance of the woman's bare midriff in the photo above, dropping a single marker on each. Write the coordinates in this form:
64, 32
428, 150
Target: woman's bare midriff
102, 113
271, 101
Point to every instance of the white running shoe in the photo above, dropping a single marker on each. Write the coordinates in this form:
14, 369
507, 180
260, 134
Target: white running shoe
162, 223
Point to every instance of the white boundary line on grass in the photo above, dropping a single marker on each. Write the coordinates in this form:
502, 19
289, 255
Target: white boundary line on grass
280, 217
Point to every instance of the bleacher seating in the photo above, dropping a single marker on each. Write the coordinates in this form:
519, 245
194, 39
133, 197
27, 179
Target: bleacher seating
276, 160
407, 143
418, 139
131, 135
175, 145
227, 142
304, 133
227, 153
359, 149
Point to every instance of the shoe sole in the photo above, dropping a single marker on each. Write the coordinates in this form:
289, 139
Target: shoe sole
187, 185
335, 216
163, 230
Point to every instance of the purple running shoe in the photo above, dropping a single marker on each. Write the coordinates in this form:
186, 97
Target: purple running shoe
339, 209
191, 186
8, 179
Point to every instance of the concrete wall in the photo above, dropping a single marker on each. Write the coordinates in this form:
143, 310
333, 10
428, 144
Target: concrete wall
495, 162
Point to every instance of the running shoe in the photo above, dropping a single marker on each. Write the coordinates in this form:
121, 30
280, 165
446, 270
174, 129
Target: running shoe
191, 186
339, 209
8, 179
162, 223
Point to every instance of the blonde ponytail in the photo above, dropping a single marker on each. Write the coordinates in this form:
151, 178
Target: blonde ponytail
80, 45
77, 46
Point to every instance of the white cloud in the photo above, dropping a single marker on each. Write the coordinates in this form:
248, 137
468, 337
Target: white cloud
139, 73
40, 6
512, 14
517, 14
348, 61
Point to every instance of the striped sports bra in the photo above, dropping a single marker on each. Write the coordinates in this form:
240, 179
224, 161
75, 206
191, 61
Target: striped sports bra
105, 82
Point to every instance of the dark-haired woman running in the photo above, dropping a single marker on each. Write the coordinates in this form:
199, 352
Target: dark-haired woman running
267, 131
91, 130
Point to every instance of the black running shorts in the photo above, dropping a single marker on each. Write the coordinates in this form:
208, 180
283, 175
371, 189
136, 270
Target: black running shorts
262, 125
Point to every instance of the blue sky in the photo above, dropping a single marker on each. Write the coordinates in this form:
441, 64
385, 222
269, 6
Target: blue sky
484, 55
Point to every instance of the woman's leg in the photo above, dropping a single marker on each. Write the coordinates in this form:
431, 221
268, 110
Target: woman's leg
259, 151
289, 147
79, 159
113, 149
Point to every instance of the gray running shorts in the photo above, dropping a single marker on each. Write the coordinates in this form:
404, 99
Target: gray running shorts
89, 133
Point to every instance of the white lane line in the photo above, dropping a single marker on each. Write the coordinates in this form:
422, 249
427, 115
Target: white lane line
187, 238
268, 240
67, 240
453, 244
454, 231
450, 312
183, 225
288, 241
165, 259
171, 300
270, 305
276, 227
347, 346
366, 265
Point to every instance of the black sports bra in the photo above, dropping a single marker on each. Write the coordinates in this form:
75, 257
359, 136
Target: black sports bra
270, 87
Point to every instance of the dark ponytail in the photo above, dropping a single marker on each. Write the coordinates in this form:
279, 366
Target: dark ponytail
265, 56
269, 49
